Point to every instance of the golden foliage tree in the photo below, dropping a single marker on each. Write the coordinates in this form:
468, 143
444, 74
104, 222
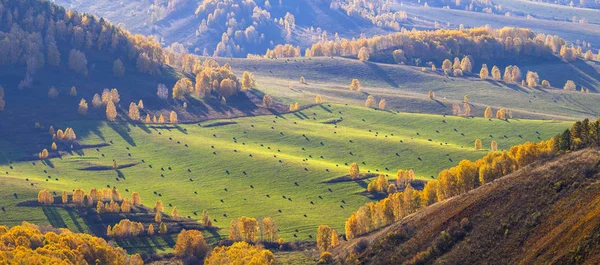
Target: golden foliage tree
269, 230
446, 65
205, 220
173, 117
382, 104
354, 170
267, 101
484, 72
111, 111
228, 88
191, 243
326, 238
363, 54
244, 229
430, 95
570, 86
496, 74
488, 113
318, 99
136, 199
26, 244
182, 88
247, 81
370, 102
45, 197
355, 85
82, 108
501, 114
240, 253
478, 144
494, 146
134, 112
97, 101
532, 79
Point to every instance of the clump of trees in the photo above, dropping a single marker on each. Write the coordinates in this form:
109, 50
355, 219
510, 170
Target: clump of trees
581, 135
191, 244
26, 244
248, 229
125, 228
68, 135
327, 238
381, 184
240, 253
466, 176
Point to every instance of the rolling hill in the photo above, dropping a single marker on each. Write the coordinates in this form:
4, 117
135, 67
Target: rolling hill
254, 27
544, 213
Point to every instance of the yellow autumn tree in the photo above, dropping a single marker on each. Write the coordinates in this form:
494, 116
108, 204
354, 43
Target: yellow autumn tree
478, 144
134, 112
370, 102
488, 113
267, 101
83, 107
382, 104
484, 72
111, 111
318, 99
247, 81
326, 238
363, 54
355, 85
354, 170
173, 117
191, 243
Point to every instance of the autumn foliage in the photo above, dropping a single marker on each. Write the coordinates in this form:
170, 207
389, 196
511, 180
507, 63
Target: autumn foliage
30, 244
240, 253
466, 176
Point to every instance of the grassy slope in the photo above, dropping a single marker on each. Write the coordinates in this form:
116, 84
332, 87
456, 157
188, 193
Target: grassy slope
405, 88
264, 171
543, 214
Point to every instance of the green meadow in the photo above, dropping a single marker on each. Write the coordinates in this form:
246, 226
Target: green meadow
273, 165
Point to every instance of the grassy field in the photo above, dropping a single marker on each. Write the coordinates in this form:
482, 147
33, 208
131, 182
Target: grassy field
289, 155
405, 88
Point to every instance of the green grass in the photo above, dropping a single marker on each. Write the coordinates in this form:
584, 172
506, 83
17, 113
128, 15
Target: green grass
264, 171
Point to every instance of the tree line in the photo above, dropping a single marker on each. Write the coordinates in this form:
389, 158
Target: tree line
467, 175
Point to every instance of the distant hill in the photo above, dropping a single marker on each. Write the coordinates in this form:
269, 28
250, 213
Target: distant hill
545, 213
251, 26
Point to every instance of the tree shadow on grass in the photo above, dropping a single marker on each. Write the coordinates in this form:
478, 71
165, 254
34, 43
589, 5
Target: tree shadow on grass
73, 216
54, 218
378, 71
121, 129
325, 108
48, 163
